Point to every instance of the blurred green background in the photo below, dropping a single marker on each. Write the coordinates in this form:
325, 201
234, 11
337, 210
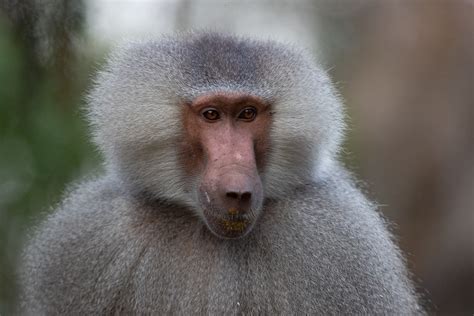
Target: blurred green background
405, 69
43, 140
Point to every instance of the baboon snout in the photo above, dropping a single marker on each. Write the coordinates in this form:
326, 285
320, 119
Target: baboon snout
231, 201
236, 191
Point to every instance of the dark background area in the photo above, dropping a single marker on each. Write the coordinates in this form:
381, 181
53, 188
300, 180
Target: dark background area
405, 69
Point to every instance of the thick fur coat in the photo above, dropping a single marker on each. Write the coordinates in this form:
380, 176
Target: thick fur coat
132, 240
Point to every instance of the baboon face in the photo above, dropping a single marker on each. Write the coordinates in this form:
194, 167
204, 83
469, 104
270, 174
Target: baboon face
226, 139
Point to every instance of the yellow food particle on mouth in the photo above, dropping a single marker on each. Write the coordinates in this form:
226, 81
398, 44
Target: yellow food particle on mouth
233, 211
234, 225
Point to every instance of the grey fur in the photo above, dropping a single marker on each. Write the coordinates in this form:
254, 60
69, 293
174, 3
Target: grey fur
132, 240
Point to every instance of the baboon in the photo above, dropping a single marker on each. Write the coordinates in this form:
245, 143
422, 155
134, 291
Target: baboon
221, 194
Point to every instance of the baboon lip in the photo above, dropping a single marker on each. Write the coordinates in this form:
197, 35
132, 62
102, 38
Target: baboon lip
228, 226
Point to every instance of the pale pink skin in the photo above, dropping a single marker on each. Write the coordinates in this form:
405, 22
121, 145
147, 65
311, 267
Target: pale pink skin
227, 138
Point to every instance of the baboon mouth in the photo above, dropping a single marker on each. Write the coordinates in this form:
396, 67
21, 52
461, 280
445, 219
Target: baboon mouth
234, 225
228, 226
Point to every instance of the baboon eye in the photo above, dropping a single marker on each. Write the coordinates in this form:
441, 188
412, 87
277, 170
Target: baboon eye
211, 114
248, 114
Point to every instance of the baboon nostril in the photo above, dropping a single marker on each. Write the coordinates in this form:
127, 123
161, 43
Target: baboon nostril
246, 196
233, 195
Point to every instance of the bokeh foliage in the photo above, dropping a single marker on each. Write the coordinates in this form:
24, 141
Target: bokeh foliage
43, 136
